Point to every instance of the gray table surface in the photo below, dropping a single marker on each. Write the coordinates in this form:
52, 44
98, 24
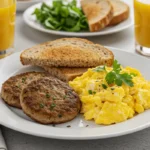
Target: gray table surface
27, 37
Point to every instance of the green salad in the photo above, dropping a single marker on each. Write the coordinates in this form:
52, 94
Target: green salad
60, 16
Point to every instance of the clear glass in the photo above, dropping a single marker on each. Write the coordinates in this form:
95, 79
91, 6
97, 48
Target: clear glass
142, 26
7, 26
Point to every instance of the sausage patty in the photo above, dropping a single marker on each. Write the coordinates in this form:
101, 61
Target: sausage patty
11, 89
49, 100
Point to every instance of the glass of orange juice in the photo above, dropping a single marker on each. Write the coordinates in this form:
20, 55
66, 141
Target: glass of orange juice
7, 26
142, 26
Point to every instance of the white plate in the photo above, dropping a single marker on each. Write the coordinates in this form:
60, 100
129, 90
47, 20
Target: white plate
31, 21
15, 119
23, 5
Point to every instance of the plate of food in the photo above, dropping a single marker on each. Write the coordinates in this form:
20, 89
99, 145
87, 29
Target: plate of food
72, 88
80, 18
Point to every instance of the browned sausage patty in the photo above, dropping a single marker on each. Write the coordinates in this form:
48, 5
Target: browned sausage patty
11, 89
49, 100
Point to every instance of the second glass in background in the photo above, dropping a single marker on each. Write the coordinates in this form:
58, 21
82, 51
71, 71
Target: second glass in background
142, 26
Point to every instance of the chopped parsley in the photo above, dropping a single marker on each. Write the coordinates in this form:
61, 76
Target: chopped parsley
65, 96
90, 92
112, 88
104, 86
52, 106
47, 95
42, 105
24, 79
60, 115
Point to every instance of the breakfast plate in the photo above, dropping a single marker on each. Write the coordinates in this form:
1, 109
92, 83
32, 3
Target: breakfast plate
78, 128
31, 21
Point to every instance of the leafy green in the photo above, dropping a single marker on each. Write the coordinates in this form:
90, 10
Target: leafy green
115, 77
104, 86
90, 92
61, 16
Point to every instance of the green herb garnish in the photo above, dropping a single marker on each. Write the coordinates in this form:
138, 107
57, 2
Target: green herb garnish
104, 86
24, 79
99, 69
115, 77
52, 106
65, 96
60, 115
42, 105
90, 92
61, 16
47, 95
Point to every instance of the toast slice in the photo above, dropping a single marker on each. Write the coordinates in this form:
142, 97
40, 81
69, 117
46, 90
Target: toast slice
98, 12
65, 74
121, 11
67, 53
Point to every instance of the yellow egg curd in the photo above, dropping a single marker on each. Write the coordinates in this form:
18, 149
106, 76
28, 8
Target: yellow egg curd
109, 103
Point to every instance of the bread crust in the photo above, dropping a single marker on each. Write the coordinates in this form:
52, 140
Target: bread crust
65, 74
120, 17
89, 9
67, 54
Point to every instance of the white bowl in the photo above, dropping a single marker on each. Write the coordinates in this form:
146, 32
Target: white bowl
23, 5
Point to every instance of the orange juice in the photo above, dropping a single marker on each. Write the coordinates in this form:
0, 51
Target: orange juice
142, 22
7, 24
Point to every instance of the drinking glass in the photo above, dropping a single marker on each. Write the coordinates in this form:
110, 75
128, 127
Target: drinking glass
142, 26
7, 26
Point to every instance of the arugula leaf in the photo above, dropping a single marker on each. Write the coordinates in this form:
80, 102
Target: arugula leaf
64, 12
61, 16
57, 3
70, 22
74, 28
99, 69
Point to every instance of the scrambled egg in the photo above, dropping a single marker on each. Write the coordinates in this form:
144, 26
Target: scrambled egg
108, 104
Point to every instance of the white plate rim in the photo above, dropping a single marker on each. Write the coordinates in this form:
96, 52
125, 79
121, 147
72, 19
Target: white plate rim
28, 127
77, 34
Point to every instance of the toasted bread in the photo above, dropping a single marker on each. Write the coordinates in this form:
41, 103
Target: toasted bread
67, 53
65, 74
121, 11
98, 12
